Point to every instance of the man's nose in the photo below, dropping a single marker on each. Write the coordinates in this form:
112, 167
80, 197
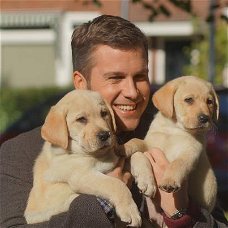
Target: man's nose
130, 89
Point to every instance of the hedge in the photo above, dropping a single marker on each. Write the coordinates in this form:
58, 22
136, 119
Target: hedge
14, 102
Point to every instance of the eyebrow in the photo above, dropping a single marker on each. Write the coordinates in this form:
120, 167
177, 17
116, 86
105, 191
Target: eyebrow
143, 71
118, 73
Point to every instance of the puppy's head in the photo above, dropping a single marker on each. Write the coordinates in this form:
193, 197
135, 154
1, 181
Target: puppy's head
80, 122
190, 101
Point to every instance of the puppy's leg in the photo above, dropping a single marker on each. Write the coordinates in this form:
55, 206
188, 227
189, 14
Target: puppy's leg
131, 147
172, 178
142, 171
202, 184
110, 188
45, 202
179, 169
140, 165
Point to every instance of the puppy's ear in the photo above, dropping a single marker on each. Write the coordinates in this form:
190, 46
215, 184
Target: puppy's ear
216, 107
164, 97
112, 116
55, 129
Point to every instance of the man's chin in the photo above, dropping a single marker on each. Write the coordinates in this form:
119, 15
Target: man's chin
127, 126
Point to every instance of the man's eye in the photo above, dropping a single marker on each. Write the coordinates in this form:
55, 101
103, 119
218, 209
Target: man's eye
82, 120
189, 100
115, 78
141, 77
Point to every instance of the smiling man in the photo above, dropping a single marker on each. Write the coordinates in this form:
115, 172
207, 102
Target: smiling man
110, 55
122, 79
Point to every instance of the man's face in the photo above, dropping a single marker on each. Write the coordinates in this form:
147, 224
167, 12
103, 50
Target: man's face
121, 77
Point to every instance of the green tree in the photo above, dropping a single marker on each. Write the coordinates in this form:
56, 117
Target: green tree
156, 7
198, 54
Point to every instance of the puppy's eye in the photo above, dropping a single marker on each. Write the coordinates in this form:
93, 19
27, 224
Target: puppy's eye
189, 100
209, 101
82, 120
104, 113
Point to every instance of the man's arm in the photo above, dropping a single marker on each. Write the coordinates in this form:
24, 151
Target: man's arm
17, 158
194, 216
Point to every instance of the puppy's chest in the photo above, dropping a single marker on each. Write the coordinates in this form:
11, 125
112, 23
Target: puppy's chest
106, 164
173, 145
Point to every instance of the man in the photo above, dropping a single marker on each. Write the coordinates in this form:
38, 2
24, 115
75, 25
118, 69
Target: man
109, 56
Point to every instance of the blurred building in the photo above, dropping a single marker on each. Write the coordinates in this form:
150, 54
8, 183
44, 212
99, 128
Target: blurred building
36, 35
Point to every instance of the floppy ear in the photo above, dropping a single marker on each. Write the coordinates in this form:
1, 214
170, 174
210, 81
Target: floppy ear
112, 116
55, 129
164, 97
216, 108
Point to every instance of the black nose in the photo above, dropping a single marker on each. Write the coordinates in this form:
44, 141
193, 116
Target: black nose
103, 135
203, 118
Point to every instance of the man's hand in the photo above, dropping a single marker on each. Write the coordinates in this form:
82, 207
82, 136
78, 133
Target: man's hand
169, 202
121, 174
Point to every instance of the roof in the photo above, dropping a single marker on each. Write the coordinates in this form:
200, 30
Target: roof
33, 19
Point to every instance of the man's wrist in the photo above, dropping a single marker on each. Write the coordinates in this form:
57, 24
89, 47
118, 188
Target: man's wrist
174, 212
187, 219
178, 213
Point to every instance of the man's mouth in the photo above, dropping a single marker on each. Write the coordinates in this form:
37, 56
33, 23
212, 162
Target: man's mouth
126, 107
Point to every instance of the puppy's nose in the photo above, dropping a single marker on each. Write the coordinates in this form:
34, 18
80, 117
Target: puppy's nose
103, 135
203, 118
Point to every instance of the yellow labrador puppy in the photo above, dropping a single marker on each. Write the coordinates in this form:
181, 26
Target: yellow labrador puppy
80, 148
188, 108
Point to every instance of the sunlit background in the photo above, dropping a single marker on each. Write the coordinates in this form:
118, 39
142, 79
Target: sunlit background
185, 37
35, 37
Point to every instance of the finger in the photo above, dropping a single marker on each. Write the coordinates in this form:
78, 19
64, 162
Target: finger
158, 156
150, 157
127, 179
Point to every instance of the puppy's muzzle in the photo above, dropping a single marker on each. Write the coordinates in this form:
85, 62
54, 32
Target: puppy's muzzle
103, 135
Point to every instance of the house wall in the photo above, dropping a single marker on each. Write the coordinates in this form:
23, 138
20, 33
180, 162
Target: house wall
30, 65
50, 53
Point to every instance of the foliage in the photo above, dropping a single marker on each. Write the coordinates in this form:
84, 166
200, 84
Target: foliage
199, 54
14, 102
157, 7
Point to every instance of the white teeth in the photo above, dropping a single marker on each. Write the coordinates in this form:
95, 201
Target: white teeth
126, 107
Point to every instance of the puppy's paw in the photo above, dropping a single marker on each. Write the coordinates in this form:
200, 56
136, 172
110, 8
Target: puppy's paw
143, 174
169, 185
129, 214
146, 184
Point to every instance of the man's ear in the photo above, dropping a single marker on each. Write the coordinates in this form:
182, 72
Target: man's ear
79, 81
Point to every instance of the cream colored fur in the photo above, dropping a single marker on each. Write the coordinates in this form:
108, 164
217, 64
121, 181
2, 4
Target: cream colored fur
75, 158
177, 131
